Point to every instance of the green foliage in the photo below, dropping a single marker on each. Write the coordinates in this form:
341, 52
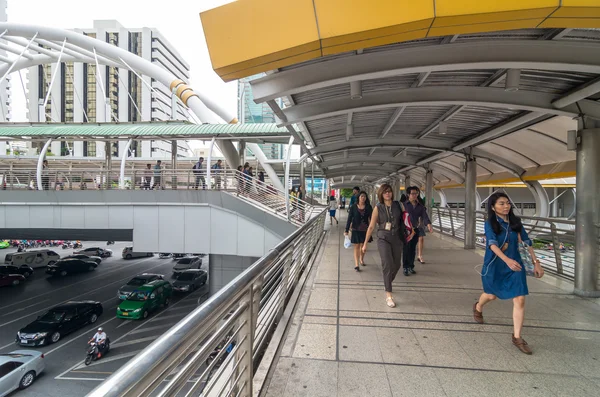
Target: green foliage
347, 192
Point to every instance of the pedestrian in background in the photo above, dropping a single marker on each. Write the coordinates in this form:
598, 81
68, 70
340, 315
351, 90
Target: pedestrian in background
199, 173
147, 176
157, 174
418, 217
333, 206
503, 274
421, 235
216, 169
359, 218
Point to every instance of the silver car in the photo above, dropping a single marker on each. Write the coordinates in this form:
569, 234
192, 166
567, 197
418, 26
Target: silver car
18, 369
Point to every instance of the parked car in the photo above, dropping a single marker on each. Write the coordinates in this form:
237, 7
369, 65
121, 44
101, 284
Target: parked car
4, 244
35, 259
19, 369
23, 270
190, 262
136, 282
11, 279
70, 266
83, 257
145, 299
189, 280
95, 251
129, 253
59, 321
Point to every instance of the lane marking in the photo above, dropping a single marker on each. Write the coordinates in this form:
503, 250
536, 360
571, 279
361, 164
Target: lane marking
92, 372
96, 379
166, 317
139, 331
60, 303
119, 338
108, 359
133, 342
77, 283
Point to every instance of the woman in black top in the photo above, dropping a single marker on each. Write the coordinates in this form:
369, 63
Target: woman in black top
359, 216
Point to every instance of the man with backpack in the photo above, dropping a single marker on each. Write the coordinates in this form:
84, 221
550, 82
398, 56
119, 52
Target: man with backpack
216, 170
197, 170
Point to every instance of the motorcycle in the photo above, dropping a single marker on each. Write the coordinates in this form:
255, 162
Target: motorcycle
164, 255
21, 248
77, 245
67, 246
92, 351
110, 242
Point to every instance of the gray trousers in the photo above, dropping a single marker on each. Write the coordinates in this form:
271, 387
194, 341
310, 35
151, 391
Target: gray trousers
390, 250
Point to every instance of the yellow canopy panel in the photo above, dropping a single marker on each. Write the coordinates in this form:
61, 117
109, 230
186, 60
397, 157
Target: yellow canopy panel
247, 37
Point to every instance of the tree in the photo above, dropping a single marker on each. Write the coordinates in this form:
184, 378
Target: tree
346, 192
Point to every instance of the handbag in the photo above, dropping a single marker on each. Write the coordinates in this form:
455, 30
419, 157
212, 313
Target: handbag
525, 257
408, 229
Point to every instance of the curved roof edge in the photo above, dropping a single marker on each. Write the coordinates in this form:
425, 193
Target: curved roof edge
326, 27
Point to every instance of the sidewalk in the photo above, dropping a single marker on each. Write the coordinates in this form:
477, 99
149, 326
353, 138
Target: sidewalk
344, 341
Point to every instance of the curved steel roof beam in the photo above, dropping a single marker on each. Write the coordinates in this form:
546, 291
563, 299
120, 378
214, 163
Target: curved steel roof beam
506, 148
439, 96
368, 159
492, 54
430, 144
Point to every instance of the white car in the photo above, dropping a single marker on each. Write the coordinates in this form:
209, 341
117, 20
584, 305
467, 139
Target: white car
95, 251
189, 262
19, 369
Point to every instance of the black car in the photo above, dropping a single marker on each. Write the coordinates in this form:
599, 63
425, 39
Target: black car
136, 282
95, 251
189, 280
83, 257
70, 266
59, 321
23, 270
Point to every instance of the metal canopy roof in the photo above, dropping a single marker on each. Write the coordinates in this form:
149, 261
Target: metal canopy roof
407, 89
144, 130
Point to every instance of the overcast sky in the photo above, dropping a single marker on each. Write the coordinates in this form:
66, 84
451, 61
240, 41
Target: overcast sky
177, 20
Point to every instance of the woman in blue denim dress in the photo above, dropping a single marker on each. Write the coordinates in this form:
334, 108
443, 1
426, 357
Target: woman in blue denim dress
503, 274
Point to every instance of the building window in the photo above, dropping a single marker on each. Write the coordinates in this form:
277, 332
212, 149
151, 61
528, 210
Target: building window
89, 149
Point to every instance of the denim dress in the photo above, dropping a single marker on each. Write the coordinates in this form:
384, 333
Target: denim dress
497, 278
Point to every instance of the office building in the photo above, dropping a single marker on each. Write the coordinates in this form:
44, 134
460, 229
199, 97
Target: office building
5, 86
251, 112
83, 92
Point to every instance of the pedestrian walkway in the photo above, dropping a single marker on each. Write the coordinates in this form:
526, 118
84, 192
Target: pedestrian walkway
344, 340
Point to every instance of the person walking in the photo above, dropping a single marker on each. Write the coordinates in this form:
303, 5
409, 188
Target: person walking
239, 177
333, 206
387, 215
157, 174
216, 169
359, 217
503, 275
300, 202
418, 217
147, 177
355, 192
199, 173
45, 175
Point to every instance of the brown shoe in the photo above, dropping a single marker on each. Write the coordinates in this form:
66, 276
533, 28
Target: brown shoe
521, 345
477, 315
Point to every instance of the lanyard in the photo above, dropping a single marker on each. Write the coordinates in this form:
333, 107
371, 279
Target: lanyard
389, 213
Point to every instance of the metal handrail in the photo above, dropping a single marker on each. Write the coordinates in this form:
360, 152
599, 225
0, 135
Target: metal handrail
236, 314
228, 180
554, 238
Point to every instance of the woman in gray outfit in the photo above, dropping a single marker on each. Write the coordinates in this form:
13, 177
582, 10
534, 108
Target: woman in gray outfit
388, 216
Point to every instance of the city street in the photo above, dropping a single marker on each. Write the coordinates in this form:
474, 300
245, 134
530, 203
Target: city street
65, 374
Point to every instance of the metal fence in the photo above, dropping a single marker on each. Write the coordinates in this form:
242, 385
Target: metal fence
553, 239
257, 192
242, 315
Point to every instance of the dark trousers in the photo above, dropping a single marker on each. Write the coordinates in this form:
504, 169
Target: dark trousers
390, 250
198, 179
410, 252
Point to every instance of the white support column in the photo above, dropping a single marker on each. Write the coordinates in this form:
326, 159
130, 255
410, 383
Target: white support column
40, 164
443, 199
312, 179
429, 189
303, 174
123, 159
555, 202
542, 206
241, 153
208, 162
470, 203
587, 235
288, 156
406, 182
262, 159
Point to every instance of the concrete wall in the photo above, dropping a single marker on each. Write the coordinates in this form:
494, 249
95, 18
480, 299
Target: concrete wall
167, 221
224, 268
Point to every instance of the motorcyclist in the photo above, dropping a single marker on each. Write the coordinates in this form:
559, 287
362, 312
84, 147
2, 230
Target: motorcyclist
100, 339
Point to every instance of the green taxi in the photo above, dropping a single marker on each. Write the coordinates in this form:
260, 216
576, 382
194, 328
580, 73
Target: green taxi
145, 299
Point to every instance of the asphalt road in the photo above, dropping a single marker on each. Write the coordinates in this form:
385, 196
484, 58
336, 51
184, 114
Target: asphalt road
65, 373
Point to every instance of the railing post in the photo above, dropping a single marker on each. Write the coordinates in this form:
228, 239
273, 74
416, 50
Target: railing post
451, 223
245, 353
285, 280
555, 246
440, 220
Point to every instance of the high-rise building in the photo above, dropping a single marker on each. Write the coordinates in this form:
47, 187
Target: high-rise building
251, 112
83, 92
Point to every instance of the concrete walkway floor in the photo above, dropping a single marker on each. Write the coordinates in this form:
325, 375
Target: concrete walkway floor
344, 341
